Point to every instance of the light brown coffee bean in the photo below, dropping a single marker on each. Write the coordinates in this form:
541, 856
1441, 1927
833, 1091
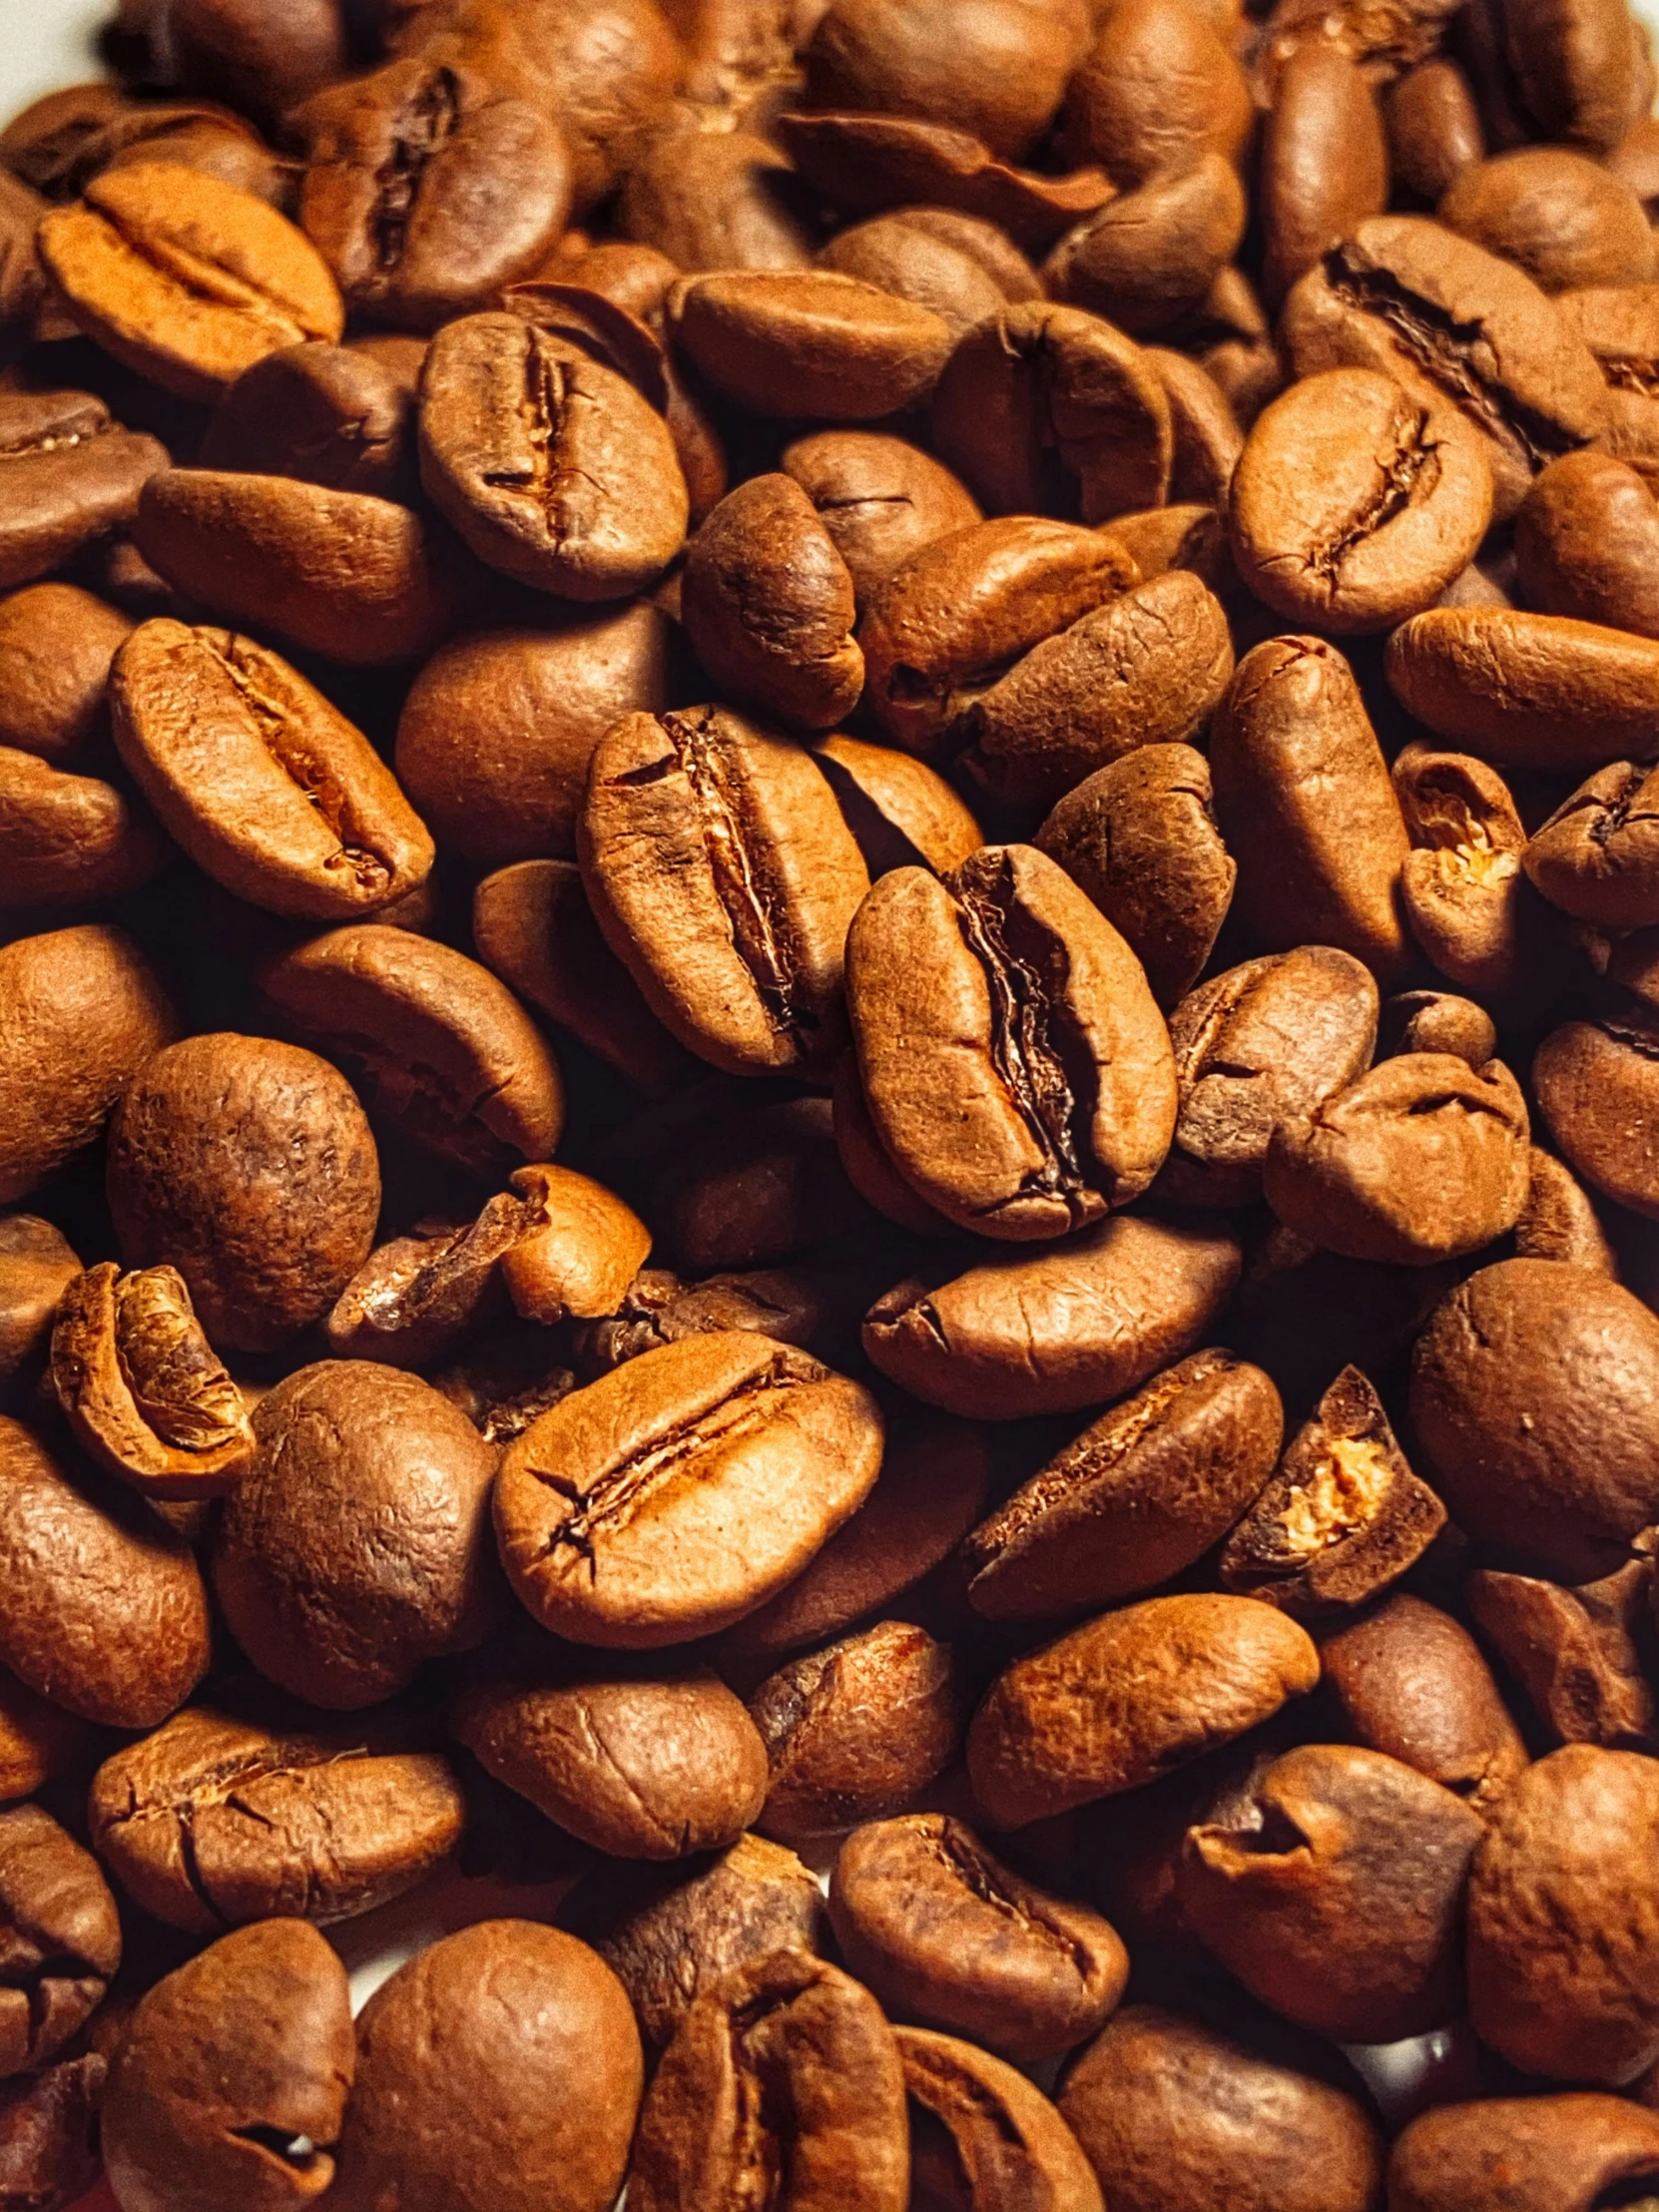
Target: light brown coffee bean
62, 1936
950, 264
1558, 1221
1006, 2141
879, 498
1597, 856
37, 1264
1158, 86
1150, 255
716, 200
1324, 161
1577, 1654
898, 809
1461, 885
1594, 1081
1433, 127
1555, 214
1587, 543
1554, 2153
56, 646
186, 279
1527, 689
329, 414
68, 840
809, 343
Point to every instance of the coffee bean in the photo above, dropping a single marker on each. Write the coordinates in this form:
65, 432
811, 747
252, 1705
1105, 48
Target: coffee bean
56, 646
655, 1468
1587, 543
1555, 214
944, 1932
1437, 1021
1574, 70
37, 1264
327, 414
1593, 1081
1527, 689
1150, 255
1597, 855
1577, 1654
1324, 165
1564, 2149
953, 264
186, 279
69, 473
214, 1822
1004, 2135
879, 498
49, 2135
62, 1938
66, 841
898, 809
809, 343
1461, 884
1159, 87
1558, 1221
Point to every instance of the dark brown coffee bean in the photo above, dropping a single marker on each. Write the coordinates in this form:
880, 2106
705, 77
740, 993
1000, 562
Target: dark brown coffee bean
755, 1899
243, 2052
327, 414
1577, 1654
441, 1047
1305, 804
1517, 1371
1140, 1494
721, 871
1461, 884
1404, 296
1173, 2114
68, 840
69, 475
141, 1386
186, 279
455, 2050
1559, 1949
1433, 127
413, 1296
944, 1932
49, 2135
357, 1544
532, 926
809, 343
767, 1183
552, 467
1560, 2153
1594, 1082
1422, 1159
56, 646
1324, 161
427, 188
879, 498
835, 2125
268, 788
1149, 668
103, 1610
1150, 255
1079, 1720
1527, 689
645, 1769
1409, 1680
249, 1165
61, 1934
857, 1731
1006, 960
1597, 856
357, 579
1139, 838
658, 1467
22, 280
1007, 2143
769, 608
1053, 1332
214, 1820
1355, 505
81, 1010
37, 1264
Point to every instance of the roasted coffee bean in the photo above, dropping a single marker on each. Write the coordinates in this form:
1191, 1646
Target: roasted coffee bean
56, 646
1354, 504
1577, 1654
832, 2130
1305, 804
766, 1186
186, 279
716, 200
141, 1386
1336, 1894
930, 1491
1171, 2113
1462, 882
230, 2084
81, 1011
1146, 669
1534, 1394
1150, 255
1433, 127
1159, 87
246, 1165
1324, 161
897, 807
62, 1938
215, 1820
413, 1296
955, 266
457, 2050
857, 1731
641, 1767
809, 343
1208, 437
266, 787
1409, 1680
442, 1048
1143, 1493
552, 467
721, 873
1055, 1330
879, 498
1527, 689
1079, 1720
1037, 396
1573, 71
1451, 323
768, 605
495, 737
1587, 543
357, 1544
69, 474
427, 188
1594, 1080
22, 280
1558, 1221
755, 1899
1006, 963
1555, 214
37, 1264
1560, 2153
68, 840
1436, 1021
704, 1475
103, 1610
327, 414
577, 1248
1008, 2146
1559, 1942
49, 2135
944, 1932
1597, 856
1257, 1048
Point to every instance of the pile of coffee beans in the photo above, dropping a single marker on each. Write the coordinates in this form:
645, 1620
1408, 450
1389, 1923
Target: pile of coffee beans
829, 1109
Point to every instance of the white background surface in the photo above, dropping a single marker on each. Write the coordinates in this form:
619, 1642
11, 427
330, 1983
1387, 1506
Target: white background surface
45, 44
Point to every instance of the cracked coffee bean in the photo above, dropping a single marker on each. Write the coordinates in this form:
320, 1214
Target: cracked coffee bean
60, 1937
